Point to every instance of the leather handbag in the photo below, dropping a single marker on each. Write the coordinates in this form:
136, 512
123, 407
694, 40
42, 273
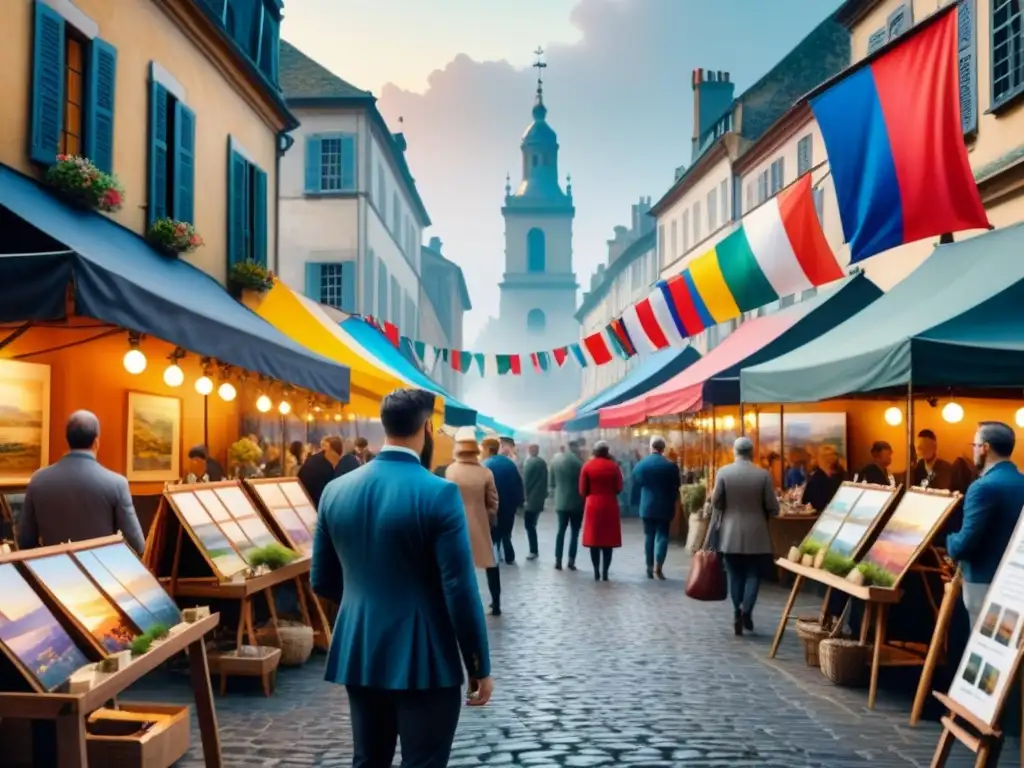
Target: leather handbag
706, 580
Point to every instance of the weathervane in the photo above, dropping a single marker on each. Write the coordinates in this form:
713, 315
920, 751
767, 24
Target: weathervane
540, 66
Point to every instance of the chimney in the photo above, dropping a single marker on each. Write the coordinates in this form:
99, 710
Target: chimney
623, 237
712, 96
642, 222
434, 244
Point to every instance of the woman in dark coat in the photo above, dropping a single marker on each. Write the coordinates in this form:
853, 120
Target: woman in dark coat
826, 477
600, 486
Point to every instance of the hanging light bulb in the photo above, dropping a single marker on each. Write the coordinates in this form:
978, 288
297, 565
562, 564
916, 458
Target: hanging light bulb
264, 404
953, 412
351, 417
337, 416
227, 391
310, 417
173, 375
729, 422
284, 408
893, 416
134, 361
1019, 417
204, 385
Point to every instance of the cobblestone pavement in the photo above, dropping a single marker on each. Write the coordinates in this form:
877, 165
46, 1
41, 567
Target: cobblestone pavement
628, 672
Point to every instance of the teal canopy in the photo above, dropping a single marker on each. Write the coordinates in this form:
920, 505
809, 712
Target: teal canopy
955, 321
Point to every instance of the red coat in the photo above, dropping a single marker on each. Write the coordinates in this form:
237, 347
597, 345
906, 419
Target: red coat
600, 486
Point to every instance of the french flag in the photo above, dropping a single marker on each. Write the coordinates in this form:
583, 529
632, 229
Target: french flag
892, 131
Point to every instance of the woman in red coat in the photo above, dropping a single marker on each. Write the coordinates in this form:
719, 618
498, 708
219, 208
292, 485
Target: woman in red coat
600, 486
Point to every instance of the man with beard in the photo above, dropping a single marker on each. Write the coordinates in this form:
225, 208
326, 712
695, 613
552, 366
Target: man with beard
392, 544
991, 509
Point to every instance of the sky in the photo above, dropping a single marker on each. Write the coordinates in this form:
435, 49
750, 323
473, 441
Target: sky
617, 87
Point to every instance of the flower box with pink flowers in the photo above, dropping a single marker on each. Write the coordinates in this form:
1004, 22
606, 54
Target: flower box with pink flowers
173, 238
84, 185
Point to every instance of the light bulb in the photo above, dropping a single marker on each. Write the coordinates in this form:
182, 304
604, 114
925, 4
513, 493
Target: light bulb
134, 361
310, 417
284, 408
1019, 418
351, 417
953, 412
227, 391
204, 385
337, 416
173, 375
893, 416
730, 423
264, 404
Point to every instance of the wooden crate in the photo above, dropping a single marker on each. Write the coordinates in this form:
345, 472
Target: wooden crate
161, 746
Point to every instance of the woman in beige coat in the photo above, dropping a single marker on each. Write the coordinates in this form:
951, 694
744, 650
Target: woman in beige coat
480, 497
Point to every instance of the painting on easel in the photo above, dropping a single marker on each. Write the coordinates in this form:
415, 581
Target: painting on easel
869, 508
831, 518
119, 573
221, 554
290, 508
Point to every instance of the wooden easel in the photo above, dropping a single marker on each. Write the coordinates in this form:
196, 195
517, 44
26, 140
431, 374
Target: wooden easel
983, 740
943, 618
7, 515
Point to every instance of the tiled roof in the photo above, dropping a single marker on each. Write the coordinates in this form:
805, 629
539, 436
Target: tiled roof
303, 78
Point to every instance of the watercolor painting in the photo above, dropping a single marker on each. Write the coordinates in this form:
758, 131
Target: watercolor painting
831, 518
272, 495
24, 420
806, 433
257, 530
244, 513
63, 578
218, 549
190, 508
126, 567
154, 438
33, 635
295, 492
115, 590
213, 505
307, 514
236, 501
907, 530
294, 529
860, 520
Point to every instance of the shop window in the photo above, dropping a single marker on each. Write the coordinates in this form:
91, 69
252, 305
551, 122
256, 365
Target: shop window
172, 136
72, 97
330, 163
333, 284
247, 210
536, 250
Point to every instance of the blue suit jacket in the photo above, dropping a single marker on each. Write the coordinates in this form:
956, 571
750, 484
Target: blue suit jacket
509, 483
655, 487
991, 509
393, 545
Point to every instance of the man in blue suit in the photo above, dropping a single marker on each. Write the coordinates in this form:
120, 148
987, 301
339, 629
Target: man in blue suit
392, 546
511, 493
655, 490
991, 509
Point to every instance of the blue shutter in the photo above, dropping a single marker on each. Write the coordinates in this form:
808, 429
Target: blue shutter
313, 169
184, 163
47, 85
99, 105
259, 216
368, 284
313, 281
348, 163
238, 208
158, 149
348, 287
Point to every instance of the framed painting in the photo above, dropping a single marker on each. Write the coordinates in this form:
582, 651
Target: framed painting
289, 508
154, 438
804, 435
203, 528
832, 517
870, 508
32, 637
917, 518
24, 420
119, 572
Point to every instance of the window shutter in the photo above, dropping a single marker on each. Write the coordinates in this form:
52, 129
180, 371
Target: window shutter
158, 146
238, 207
259, 216
382, 290
348, 287
99, 105
368, 283
348, 163
396, 302
184, 163
803, 156
819, 204
967, 62
47, 84
313, 281
313, 160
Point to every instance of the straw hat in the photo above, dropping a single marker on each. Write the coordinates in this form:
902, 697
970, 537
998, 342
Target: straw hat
465, 441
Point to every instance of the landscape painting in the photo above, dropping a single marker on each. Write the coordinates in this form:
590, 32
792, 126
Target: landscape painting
806, 434
271, 494
257, 530
63, 578
129, 570
213, 505
219, 550
860, 520
190, 508
141, 616
236, 501
831, 518
911, 526
294, 529
295, 492
33, 635
154, 438
24, 420
307, 514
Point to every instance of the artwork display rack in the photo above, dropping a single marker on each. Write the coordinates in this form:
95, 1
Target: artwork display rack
70, 711
7, 520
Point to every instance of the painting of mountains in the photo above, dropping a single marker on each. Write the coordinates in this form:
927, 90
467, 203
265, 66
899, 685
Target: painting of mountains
33, 635
154, 438
124, 566
24, 420
911, 526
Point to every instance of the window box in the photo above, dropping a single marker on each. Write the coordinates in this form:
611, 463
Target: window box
173, 238
250, 282
85, 186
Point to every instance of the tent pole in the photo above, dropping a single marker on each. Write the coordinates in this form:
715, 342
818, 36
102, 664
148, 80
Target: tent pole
910, 433
714, 442
782, 448
743, 424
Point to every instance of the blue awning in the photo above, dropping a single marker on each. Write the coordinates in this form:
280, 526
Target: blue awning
651, 373
120, 280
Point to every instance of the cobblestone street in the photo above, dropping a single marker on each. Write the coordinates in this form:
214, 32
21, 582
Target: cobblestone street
628, 672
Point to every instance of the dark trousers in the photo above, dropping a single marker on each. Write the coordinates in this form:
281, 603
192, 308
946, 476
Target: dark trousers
601, 557
501, 535
656, 542
494, 586
424, 721
744, 572
530, 521
573, 521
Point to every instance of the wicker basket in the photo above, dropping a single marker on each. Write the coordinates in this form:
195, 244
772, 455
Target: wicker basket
843, 661
296, 643
811, 632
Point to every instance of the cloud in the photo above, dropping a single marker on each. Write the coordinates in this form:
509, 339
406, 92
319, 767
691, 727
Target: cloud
620, 100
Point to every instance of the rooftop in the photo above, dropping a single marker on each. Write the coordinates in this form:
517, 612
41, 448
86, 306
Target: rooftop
635, 250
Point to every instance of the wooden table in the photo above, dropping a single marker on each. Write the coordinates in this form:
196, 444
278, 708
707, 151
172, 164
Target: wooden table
788, 531
70, 710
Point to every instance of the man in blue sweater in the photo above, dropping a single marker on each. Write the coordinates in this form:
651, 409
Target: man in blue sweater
655, 489
511, 494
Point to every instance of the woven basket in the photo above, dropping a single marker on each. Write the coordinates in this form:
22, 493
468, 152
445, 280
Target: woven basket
296, 643
843, 661
810, 631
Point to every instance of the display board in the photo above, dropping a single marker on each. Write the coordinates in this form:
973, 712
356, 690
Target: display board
831, 518
992, 656
290, 507
869, 509
11, 503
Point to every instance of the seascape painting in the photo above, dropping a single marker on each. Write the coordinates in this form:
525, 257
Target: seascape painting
806, 434
831, 518
126, 567
860, 520
154, 438
140, 616
33, 635
272, 495
62, 577
24, 420
910, 527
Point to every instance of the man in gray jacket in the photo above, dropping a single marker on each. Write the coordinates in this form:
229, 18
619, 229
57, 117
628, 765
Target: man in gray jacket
564, 482
77, 498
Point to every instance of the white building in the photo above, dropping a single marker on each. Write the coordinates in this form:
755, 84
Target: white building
351, 218
444, 301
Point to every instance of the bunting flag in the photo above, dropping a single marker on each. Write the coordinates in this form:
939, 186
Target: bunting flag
509, 364
419, 349
577, 353
561, 355
478, 358
597, 347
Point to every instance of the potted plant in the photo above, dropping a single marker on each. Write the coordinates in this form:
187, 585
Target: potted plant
173, 238
243, 457
251, 281
84, 185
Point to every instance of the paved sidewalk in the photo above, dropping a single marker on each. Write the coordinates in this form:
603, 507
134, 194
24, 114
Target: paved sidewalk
628, 672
